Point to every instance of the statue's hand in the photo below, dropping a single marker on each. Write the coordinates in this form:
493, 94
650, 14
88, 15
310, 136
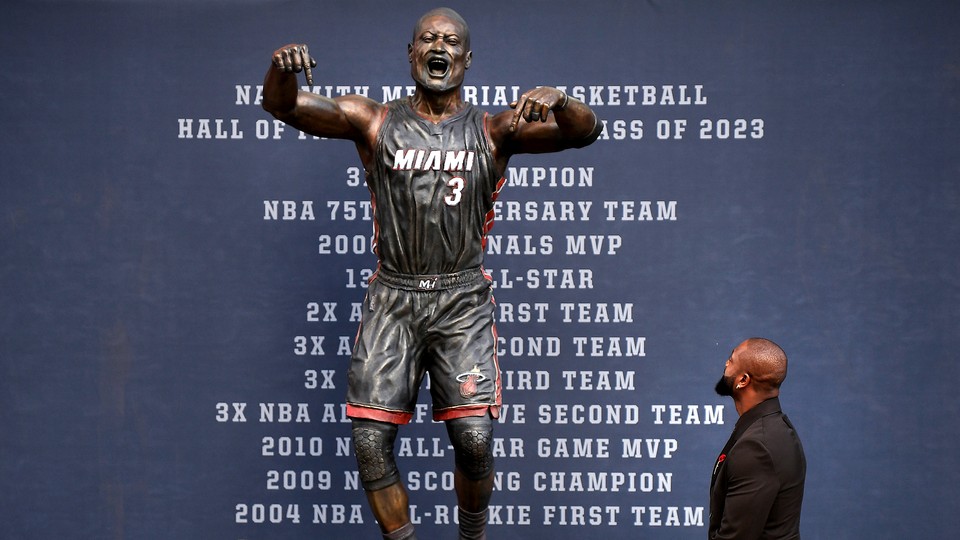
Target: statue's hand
293, 58
534, 105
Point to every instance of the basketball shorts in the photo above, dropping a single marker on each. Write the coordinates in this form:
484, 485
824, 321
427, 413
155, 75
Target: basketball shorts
412, 325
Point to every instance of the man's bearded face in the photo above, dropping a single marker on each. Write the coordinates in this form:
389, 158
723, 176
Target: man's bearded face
724, 386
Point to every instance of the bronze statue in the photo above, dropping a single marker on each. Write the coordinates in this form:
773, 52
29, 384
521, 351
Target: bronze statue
434, 166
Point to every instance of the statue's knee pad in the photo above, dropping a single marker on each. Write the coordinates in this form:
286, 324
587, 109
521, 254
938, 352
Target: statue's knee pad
472, 439
373, 445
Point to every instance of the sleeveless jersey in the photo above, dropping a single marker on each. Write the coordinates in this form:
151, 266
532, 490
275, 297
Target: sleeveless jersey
433, 189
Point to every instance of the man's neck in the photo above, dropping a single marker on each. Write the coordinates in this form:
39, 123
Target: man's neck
748, 401
436, 107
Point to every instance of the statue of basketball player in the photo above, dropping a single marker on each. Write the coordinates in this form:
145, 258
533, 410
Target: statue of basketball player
434, 167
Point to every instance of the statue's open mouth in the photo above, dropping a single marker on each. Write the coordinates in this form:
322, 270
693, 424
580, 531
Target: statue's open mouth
437, 67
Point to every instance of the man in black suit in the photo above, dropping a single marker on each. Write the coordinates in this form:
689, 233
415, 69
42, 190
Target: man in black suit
757, 485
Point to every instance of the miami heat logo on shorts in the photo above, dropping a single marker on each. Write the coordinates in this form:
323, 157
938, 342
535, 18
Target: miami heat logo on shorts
468, 382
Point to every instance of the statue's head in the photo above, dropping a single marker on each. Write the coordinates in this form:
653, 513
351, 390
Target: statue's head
440, 51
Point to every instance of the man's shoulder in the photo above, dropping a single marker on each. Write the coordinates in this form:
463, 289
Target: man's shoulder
773, 431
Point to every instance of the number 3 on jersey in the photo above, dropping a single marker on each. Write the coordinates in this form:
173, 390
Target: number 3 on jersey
456, 191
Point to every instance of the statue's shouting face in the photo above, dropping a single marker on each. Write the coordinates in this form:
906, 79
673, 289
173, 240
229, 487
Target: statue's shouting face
440, 53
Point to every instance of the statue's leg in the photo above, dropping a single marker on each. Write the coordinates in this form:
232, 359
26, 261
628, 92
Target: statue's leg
472, 439
373, 445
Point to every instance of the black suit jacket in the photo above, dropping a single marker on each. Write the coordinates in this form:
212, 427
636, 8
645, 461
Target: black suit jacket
757, 484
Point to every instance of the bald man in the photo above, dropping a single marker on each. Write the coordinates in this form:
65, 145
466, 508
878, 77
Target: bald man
756, 490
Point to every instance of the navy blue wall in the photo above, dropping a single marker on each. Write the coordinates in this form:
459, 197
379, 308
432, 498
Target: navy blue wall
149, 292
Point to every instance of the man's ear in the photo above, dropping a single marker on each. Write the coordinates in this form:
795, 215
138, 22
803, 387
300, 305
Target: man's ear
743, 380
466, 63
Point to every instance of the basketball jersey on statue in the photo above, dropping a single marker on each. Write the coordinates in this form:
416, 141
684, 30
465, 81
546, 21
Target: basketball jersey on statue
432, 188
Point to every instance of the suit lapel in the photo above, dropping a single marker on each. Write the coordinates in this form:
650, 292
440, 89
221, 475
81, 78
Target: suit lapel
769, 406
